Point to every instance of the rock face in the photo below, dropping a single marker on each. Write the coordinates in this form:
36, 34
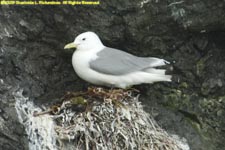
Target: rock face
188, 33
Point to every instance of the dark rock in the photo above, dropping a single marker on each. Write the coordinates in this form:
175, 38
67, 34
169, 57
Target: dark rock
188, 33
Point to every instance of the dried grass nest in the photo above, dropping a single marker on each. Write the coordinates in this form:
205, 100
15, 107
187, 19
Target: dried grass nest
102, 119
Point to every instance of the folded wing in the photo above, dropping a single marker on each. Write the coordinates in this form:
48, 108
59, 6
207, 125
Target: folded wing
116, 62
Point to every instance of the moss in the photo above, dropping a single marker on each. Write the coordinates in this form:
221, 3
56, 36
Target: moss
78, 100
212, 119
177, 100
204, 114
200, 66
184, 85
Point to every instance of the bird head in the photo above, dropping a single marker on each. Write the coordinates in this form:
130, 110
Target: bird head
86, 41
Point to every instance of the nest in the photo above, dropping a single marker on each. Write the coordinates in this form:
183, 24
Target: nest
108, 119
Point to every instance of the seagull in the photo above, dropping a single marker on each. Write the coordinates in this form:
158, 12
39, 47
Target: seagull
101, 65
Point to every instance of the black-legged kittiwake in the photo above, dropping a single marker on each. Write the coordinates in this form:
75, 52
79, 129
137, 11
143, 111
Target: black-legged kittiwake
101, 65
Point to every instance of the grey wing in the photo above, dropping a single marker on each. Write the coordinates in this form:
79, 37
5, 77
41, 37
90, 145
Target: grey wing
116, 62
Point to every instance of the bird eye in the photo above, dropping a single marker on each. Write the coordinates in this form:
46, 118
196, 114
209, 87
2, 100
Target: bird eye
83, 39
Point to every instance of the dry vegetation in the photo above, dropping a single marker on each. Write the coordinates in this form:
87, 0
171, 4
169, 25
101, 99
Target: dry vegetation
109, 119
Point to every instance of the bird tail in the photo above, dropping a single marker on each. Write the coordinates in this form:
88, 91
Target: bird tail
159, 73
156, 62
155, 71
167, 78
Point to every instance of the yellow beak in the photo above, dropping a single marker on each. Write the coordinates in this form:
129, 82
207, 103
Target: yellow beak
70, 45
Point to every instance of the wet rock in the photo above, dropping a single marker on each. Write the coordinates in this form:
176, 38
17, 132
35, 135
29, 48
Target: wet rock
189, 34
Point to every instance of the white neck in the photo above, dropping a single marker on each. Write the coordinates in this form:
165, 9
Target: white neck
96, 48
